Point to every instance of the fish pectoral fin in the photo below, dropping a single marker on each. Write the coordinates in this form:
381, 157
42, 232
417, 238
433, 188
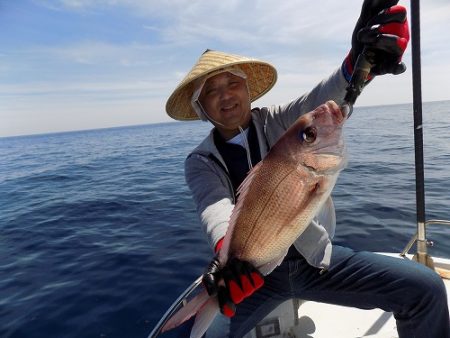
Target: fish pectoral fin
269, 267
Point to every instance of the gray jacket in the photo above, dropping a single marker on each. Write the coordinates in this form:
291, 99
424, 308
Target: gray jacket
212, 189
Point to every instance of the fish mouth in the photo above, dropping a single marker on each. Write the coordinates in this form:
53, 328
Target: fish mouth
346, 111
333, 156
332, 147
339, 113
336, 162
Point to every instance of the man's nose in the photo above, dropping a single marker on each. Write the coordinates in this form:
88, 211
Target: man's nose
225, 93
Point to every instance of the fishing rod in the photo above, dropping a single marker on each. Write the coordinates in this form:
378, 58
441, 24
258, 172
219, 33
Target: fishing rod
361, 70
421, 254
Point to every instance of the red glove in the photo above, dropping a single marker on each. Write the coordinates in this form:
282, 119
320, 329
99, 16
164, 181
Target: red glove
383, 28
241, 280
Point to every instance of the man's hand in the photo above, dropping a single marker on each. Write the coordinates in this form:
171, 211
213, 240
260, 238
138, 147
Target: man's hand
233, 283
383, 28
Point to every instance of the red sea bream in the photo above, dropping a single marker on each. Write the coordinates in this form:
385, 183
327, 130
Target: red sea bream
277, 201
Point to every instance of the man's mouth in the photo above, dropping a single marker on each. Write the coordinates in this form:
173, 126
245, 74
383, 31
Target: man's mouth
229, 108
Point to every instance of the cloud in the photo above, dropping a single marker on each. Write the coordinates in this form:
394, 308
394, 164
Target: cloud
146, 47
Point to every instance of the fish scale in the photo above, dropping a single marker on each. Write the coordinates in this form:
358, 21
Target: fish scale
278, 210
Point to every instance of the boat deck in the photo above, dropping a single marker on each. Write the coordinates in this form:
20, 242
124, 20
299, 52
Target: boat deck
319, 320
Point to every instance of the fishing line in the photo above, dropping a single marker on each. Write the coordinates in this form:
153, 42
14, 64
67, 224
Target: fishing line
247, 148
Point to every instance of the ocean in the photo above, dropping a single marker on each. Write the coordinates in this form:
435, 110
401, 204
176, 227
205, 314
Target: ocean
99, 235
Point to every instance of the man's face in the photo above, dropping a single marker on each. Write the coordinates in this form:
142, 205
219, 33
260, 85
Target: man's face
226, 100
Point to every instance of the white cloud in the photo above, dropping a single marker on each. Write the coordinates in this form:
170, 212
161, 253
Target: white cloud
87, 76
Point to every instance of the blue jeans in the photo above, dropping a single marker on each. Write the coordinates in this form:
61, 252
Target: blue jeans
414, 293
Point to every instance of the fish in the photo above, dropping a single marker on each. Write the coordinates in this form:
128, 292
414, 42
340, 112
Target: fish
277, 201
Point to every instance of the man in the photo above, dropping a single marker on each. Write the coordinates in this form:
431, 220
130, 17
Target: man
220, 89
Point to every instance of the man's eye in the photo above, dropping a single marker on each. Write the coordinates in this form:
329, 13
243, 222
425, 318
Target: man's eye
234, 84
211, 91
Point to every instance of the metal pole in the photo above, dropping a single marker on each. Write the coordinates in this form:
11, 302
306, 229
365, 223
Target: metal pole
421, 255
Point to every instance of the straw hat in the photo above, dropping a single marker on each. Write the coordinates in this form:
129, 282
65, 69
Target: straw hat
261, 76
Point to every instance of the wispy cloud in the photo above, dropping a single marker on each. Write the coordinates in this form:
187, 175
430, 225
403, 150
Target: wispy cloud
135, 52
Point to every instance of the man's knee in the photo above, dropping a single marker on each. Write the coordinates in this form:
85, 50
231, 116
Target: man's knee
425, 288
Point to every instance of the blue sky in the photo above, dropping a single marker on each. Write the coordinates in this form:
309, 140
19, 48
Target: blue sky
79, 64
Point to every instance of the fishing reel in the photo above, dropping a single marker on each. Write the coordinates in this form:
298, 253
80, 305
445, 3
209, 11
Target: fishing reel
359, 79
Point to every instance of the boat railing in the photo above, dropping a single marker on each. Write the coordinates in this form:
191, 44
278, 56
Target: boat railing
414, 239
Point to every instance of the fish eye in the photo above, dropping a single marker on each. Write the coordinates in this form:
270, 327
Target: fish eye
309, 134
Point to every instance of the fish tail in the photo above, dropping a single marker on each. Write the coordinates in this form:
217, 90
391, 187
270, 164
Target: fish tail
196, 306
204, 317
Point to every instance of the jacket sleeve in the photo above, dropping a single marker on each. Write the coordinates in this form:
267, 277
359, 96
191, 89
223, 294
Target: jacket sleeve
279, 118
212, 195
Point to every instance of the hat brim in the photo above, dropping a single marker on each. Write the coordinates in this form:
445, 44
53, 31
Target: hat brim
261, 77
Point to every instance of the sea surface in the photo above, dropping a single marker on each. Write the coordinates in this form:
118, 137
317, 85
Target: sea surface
99, 235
